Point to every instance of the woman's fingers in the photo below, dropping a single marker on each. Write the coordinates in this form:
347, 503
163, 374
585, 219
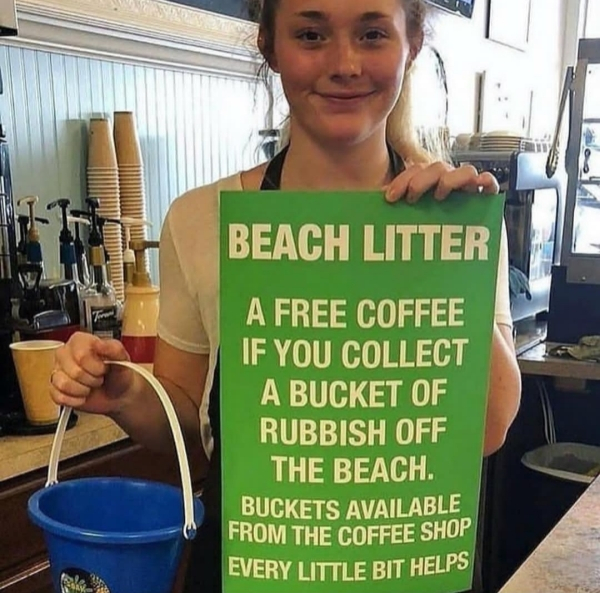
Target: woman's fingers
63, 383
443, 179
81, 367
456, 179
62, 399
488, 183
398, 188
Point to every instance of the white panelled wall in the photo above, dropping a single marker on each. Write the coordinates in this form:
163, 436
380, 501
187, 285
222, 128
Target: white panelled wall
194, 127
468, 53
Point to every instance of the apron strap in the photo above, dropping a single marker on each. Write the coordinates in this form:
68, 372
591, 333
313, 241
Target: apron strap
272, 178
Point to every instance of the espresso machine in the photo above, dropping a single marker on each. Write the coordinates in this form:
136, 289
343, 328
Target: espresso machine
12, 415
11, 407
10, 398
574, 311
533, 213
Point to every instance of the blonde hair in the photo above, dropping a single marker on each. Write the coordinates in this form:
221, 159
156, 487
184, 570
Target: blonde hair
415, 146
401, 133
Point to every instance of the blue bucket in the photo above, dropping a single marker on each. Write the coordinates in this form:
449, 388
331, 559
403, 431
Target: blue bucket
116, 535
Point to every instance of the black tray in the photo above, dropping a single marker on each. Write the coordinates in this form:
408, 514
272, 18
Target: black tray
17, 425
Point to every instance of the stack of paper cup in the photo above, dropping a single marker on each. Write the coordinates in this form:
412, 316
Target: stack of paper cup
103, 184
131, 172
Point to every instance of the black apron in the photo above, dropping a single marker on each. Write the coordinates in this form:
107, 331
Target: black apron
204, 574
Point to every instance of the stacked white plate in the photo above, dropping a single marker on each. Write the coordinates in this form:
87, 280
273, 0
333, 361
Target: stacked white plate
501, 142
475, 142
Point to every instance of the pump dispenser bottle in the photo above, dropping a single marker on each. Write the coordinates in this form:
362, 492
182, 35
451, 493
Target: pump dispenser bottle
83, 269
68, 257
140, 314
99, 298
129, 265
23, 223
33, 247
30, 263
81, 217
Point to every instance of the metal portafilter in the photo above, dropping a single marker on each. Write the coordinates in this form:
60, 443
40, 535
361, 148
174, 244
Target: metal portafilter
554, 154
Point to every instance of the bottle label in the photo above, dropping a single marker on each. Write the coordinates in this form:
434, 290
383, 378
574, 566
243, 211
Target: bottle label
104, 322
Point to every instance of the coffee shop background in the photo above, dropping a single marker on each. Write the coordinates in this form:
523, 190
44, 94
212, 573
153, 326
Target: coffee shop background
189, 77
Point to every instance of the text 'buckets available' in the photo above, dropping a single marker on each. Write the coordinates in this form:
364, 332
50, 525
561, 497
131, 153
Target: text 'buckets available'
116, 535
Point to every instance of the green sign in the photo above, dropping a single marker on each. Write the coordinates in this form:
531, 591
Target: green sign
355, 352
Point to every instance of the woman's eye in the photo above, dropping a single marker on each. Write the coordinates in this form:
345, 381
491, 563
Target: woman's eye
375, 35
310, 36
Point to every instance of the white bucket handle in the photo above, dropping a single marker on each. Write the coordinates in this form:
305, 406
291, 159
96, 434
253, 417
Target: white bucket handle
190, 527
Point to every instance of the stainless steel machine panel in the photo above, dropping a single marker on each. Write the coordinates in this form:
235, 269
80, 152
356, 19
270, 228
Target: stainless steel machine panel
575, 294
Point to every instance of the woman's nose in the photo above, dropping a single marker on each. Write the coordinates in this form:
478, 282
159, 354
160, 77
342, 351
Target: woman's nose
344, 61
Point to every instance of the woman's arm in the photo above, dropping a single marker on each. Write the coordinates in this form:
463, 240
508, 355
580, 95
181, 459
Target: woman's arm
504, 394
181, 360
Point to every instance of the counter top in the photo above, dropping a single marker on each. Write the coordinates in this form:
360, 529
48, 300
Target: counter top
532, 353
21, 455
567, 560
536, 361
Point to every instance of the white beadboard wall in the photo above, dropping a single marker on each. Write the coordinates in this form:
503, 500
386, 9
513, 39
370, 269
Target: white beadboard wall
194, 127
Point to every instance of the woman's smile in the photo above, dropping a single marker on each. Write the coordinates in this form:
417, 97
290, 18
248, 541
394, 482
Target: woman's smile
346, 100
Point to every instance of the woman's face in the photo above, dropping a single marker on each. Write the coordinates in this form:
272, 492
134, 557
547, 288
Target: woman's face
342, 64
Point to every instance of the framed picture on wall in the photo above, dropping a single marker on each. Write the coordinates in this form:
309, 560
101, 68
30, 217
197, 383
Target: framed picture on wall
508, 22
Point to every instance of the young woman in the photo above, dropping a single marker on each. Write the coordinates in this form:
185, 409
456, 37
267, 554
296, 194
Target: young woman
344, 68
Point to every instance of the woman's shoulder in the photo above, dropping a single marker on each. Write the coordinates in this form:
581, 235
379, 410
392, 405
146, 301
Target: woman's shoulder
205, 199
196, 211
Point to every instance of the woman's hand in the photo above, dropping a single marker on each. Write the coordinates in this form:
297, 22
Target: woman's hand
440, 177
82, 380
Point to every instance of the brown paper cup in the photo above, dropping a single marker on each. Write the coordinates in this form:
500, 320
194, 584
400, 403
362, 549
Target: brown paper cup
127, 142
101, 151
34, 362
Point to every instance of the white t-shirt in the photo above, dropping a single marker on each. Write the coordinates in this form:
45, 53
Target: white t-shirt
189, 280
